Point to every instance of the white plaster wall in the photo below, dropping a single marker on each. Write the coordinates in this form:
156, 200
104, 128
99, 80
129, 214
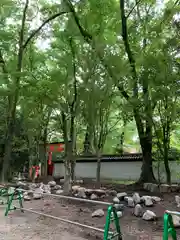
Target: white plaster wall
116, 170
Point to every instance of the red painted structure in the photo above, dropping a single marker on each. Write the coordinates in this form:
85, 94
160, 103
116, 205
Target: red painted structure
53, 147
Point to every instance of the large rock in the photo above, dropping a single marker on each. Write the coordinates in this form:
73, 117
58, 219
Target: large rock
57, 187
119, 214
149, 215
59, 192
176, 220
99, 192
121, 195
11, 190
38, 194
116, 200
119, 207
81, 193
130, 202
26, 197
112, 193
165, 188
146, 186
147, 201
151, 187
177, 199
156, 199
136, 198
138, 210
174, 187
75, 188
52, 183
46, 189
22, 185
98, 213
33, 186
93, 197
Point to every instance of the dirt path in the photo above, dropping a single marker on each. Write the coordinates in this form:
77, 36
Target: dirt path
26, 226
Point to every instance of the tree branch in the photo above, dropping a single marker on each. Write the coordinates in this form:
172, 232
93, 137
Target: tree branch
136, 4
127, 46
87, 37
41, 26
21, 37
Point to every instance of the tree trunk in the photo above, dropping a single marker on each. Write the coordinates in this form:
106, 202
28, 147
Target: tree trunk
166, 143
88, 142
145, 138
44, 162
147, 174
67, 160
67, 167
98, 169
121, 142
8, 150
167, 168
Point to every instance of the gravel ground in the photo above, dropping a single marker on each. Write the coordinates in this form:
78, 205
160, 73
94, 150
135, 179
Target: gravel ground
26, 226
29, 226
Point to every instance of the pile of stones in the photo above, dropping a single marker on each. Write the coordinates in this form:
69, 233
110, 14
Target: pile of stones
162, 188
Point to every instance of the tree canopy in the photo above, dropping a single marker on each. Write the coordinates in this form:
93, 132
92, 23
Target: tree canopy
102, 76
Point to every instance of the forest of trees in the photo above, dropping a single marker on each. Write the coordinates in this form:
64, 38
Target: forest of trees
102, 76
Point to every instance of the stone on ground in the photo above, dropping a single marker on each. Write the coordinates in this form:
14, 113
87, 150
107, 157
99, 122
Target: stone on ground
81, 193
121, 195
119, 207
59, 192
26, 197
75, 188
177, 199
151, 187
11, 190
176, 220
149, 215
156, 199
136, 198
130, 202
112, 193
147, 201
138, 210
23, 185
116, 200
119, 214
38, 193
52, 183
174, 187
165, 188
98, 213
93, 197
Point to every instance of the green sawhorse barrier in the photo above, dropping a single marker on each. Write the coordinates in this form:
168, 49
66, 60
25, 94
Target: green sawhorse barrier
15, 195
169, 228
112, 217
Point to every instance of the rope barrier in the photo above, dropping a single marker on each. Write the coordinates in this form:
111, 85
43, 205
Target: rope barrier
71, 198
62, 219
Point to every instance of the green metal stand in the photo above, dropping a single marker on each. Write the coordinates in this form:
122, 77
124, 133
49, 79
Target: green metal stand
112, 217
10, 201
169, 227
